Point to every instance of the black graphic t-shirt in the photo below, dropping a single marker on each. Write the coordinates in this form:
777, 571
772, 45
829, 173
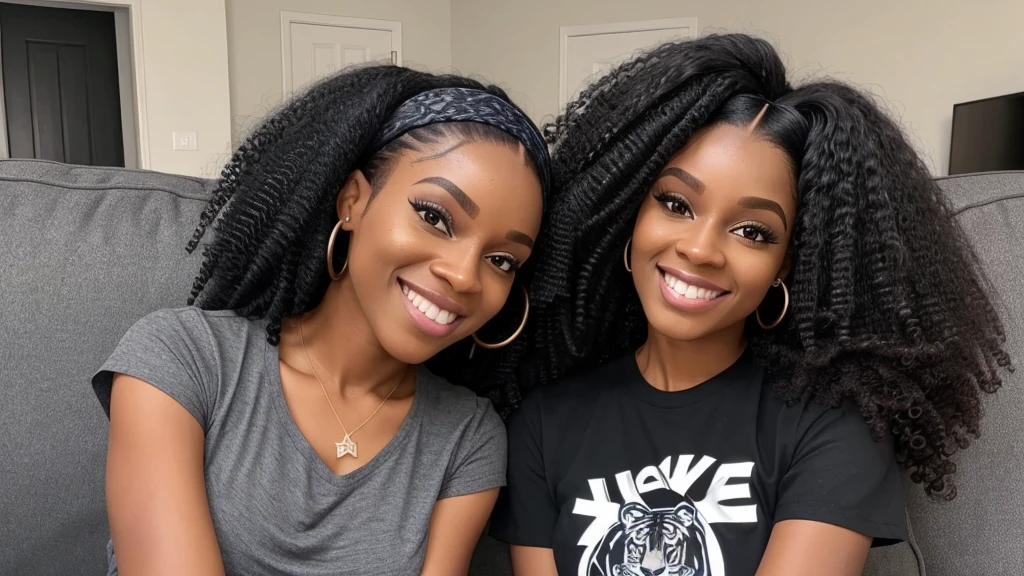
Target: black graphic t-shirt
620, 478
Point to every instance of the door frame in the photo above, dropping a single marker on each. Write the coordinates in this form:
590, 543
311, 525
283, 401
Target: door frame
289, 18
130, 71
566, 32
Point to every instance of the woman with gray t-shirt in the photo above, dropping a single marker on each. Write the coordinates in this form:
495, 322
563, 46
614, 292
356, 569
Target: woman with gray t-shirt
287, 423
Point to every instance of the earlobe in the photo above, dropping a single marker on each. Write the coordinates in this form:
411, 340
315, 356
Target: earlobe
352, 198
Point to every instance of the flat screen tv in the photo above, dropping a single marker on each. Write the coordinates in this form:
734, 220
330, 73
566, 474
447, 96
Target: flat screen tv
988, 135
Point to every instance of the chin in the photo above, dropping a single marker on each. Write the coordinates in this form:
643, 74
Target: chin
409, 352
411, 347
685, 331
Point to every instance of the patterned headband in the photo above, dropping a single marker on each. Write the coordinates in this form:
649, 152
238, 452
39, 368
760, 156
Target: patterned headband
468, 105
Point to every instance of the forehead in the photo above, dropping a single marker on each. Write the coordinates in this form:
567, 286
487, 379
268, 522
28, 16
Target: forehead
496, 177
729, 159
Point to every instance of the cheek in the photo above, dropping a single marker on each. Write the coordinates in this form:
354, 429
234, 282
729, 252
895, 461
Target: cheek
387, 237
754, 270
495, 293
652, 232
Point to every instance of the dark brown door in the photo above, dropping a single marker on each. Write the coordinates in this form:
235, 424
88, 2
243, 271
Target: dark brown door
60, 85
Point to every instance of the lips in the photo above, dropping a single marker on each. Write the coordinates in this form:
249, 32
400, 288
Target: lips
433, 313
687, 292
429, 308
690, 286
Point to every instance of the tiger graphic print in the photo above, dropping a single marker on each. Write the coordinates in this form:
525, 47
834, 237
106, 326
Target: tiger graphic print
645, 542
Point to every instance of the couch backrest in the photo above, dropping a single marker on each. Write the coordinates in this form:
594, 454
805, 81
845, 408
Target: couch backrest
84, 252
982, 530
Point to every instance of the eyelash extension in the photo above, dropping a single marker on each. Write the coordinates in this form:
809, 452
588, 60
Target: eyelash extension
665, 197
769, 236
424, 205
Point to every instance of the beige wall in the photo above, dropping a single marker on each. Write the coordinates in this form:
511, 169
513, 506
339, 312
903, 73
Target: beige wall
185, 59
254, 44
922, 56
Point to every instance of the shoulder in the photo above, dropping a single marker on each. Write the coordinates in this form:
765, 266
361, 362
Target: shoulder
838, 471
562, 410
810, 418
576, 391
467, 427
189, 321
455, 408
180, 351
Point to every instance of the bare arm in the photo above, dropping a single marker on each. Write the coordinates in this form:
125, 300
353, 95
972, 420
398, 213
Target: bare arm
455, 529
806, 548
156, 492
532, 561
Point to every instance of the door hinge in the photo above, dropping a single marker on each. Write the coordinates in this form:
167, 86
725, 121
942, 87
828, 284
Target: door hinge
394, 57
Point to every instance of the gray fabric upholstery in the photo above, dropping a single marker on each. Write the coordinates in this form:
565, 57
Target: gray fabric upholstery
84, 252
982, 530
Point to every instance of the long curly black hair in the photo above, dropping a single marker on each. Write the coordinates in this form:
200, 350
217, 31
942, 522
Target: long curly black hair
273, 208
889, 307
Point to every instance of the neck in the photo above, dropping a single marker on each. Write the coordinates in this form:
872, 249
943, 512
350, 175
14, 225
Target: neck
342, 346
673, 365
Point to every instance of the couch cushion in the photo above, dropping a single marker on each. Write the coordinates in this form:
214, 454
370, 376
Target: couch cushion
84, 252
982, 530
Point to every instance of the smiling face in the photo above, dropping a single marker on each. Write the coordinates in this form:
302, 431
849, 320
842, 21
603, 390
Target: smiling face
713, 232
432, 258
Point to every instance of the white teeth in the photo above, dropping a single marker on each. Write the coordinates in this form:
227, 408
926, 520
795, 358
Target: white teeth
687, 291
428, 308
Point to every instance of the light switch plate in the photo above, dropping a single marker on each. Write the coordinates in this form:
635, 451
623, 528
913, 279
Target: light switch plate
185, 141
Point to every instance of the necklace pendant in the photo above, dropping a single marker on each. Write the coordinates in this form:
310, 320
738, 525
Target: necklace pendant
347, 447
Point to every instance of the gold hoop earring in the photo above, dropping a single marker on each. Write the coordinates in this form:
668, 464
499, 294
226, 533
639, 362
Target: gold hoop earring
510, 339
625, 255
785, 306
330, 250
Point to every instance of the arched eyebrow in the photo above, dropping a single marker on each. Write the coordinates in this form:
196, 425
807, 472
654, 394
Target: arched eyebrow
519, 237
460, 197
755, 203
685, 177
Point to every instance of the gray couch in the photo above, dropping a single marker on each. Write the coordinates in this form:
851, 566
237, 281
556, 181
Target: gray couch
84, 252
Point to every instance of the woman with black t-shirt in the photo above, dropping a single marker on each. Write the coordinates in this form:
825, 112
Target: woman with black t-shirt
757, 307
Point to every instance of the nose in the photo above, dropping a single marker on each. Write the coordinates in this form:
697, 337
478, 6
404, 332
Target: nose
460, 269
701, 245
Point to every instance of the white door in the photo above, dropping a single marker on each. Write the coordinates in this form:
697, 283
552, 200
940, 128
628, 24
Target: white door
315, 45
589, 52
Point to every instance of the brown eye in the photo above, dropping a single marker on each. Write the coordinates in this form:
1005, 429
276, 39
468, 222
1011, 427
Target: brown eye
435, 216
674, 204
755, 234
504, 263
432, 218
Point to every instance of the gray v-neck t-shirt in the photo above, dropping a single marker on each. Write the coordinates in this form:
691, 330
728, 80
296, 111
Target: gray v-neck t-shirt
276, 507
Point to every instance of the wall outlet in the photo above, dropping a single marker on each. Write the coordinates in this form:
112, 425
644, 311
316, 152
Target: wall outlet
185, 141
